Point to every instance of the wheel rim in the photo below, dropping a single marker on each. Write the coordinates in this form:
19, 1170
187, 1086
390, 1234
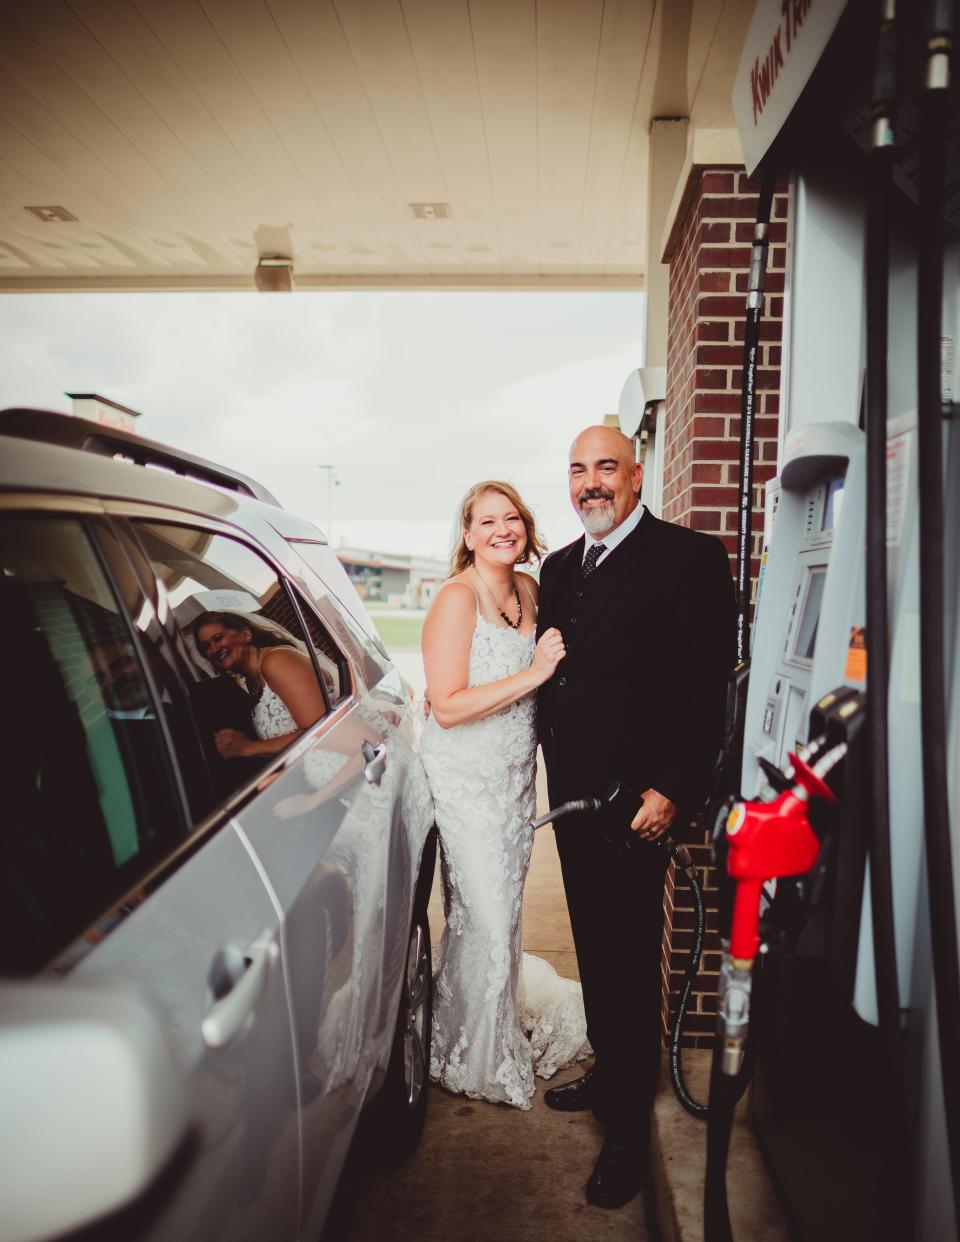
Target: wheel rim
415, 993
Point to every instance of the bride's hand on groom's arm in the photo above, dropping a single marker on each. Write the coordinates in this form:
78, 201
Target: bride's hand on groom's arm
550, 651
447, 645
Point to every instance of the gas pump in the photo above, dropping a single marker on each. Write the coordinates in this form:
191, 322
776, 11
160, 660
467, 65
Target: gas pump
818, 523
854, 1013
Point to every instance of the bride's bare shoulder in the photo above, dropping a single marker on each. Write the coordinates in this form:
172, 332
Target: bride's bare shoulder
459, 586
455, 600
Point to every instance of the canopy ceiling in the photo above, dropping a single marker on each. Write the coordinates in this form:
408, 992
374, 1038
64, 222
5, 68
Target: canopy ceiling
414, 143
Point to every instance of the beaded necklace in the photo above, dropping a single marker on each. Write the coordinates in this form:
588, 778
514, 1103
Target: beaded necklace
514, 625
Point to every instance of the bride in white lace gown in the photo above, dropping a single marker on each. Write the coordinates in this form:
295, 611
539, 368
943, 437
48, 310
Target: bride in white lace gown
494, 1024
277, 672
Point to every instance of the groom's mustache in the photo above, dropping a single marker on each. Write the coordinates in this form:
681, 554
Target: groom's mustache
594, 493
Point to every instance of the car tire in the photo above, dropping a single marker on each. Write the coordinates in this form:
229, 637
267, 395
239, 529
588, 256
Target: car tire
404, 1095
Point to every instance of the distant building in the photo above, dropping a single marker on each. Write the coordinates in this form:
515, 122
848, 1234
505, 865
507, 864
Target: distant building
407, 581
102, 410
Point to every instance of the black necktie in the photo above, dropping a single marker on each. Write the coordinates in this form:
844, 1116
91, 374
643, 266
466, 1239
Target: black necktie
590, 560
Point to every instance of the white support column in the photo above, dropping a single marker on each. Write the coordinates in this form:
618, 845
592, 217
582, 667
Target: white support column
668, 147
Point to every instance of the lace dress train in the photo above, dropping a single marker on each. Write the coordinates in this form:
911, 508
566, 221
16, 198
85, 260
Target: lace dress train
494, 1024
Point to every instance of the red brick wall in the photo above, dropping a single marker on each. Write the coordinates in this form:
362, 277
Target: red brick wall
709, 259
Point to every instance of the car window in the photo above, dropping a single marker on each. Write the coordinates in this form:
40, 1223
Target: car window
91, 799
133, 581
334, 667
252, 666
354, 629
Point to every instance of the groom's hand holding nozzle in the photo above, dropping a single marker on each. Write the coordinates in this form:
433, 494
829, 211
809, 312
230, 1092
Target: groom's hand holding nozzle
550, 651
654, 817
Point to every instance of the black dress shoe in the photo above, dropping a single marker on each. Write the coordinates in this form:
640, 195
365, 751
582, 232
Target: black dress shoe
573, 1097
617, 1175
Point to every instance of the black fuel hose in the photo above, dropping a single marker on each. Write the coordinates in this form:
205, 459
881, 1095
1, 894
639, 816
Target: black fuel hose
933, 725
748, 413
683, 862
725, 1093
896, 1145
878, 625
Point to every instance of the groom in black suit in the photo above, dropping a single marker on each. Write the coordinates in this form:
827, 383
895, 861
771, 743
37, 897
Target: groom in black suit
646, 610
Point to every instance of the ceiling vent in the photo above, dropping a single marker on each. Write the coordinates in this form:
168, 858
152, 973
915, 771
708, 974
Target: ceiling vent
430, 211
53, 215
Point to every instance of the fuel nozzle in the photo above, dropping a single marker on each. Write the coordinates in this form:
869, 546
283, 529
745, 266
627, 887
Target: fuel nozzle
681, 855
765, 841
578, 804
768, 841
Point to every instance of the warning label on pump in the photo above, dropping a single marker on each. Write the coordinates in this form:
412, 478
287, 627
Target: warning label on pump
856, 669
898, 482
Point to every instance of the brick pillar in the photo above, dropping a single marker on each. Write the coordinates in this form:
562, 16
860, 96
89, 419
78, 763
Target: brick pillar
709, 258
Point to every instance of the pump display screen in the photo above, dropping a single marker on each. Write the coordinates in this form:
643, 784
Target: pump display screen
831, 503
806, 642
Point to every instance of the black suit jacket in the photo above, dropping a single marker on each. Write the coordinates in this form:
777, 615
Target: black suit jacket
650, 639
219, 703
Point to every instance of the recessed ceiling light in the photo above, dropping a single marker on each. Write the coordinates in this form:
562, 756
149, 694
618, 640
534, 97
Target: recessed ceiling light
53, 215
430, 211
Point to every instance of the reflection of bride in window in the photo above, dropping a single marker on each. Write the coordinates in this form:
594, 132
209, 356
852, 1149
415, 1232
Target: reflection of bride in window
277, 672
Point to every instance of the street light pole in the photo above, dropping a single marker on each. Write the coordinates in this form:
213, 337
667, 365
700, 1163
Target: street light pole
332, 482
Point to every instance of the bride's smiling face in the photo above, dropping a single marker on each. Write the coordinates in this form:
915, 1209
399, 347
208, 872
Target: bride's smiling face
227, 650
496, 535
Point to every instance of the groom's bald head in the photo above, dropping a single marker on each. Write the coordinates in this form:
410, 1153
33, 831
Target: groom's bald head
605, 478
598, 437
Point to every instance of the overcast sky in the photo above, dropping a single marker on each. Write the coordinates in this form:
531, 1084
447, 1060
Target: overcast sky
411, 396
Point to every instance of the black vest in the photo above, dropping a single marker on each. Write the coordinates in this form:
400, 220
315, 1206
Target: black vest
574, 593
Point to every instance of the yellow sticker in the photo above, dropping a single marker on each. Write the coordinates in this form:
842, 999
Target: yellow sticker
856, 669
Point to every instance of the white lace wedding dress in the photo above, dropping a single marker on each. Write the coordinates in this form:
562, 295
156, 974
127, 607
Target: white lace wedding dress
494, 1024
271, 716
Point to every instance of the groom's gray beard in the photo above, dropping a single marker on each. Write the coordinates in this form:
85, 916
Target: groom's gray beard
599, 521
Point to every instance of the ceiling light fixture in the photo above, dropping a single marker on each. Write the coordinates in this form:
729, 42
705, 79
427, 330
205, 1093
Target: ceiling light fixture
274, 274
430, 211
53, 215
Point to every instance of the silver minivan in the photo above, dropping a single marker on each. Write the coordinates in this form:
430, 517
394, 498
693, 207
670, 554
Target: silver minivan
214, 951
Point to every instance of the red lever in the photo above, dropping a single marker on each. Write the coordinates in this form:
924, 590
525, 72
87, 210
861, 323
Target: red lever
815, 785
768, 841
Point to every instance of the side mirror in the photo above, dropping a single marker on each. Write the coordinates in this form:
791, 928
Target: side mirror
93, 1105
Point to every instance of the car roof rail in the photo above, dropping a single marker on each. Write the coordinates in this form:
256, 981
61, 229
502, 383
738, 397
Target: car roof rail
69, 431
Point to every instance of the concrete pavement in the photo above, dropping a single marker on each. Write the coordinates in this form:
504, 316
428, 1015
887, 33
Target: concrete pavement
488, 1171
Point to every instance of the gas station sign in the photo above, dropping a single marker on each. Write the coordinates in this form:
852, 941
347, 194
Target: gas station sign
785, 41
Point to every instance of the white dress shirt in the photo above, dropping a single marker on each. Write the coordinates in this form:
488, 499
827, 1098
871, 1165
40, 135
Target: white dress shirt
612, 539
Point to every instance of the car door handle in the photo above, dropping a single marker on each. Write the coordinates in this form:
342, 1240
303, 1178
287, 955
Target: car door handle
242, 977
376, 762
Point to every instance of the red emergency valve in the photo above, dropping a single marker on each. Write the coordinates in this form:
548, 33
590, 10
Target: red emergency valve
769, 841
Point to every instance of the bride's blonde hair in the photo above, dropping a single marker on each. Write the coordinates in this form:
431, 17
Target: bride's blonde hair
462, 557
